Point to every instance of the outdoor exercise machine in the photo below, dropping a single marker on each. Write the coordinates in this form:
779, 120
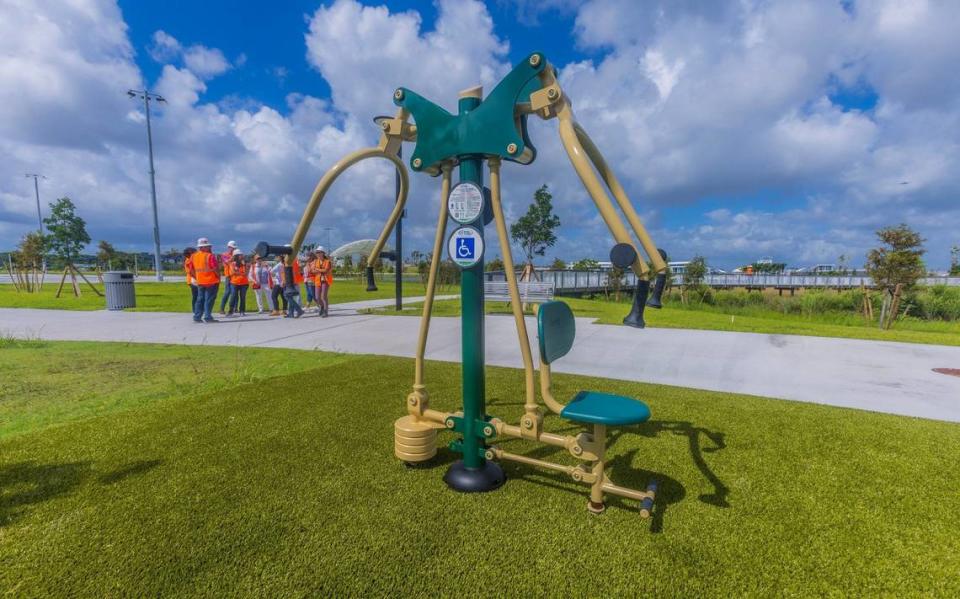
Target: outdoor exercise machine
491, 130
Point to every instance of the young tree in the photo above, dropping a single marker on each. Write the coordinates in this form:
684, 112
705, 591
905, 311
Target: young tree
534, 230
693, 277
28, 260
955, 260
898, 261
106, 254
842, 264
493, 265
558, 264
770, 269
67, 232
615, 280
586, 264
30, 252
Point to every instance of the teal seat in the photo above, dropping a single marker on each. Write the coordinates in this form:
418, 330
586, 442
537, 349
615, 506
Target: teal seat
556, 329
595, 407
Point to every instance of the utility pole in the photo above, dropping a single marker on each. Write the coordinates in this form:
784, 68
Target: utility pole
146, 96
36, 191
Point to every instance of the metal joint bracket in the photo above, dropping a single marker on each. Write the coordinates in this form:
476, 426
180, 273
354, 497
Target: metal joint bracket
531, 425
582, 475
418, 400
482, 428
544, 101
583, 448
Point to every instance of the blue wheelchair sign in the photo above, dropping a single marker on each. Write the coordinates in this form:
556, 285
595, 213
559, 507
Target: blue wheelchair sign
465, 247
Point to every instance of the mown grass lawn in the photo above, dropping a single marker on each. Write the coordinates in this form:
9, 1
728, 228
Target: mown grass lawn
189, 481
175, 297
755, 320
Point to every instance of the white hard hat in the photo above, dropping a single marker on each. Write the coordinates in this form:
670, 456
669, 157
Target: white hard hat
237, 252
203, 242
231, 244
320, 248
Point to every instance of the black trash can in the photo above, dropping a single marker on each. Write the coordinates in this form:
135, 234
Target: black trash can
120, 291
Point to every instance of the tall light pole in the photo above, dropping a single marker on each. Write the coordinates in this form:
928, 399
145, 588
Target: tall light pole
146, 96
36, 191
329, 247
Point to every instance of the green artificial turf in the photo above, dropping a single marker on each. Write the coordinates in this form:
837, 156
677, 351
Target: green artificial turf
175, 297
753, 320
288, 487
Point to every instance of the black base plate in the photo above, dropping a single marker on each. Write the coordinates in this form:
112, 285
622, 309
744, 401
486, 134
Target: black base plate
488, 477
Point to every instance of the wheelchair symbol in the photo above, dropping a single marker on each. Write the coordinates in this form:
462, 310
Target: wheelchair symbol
465, 248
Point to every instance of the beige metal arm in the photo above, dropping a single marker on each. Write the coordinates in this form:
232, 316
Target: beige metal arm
432, 278
555, 406
328, 179
530, 405
550, 102
395, 132
621, 196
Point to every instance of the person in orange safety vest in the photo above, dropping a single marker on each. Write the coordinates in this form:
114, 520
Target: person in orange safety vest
236, 270
205, 271
323, 276
187, 253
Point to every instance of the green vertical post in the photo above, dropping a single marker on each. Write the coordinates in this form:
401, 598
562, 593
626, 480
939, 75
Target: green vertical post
471, 325
473, 473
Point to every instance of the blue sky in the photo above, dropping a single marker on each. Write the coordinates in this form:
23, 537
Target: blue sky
740, 129
276, 62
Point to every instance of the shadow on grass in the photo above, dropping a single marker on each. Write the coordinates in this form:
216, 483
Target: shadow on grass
669, 490
693, 434
27, 483
131, 469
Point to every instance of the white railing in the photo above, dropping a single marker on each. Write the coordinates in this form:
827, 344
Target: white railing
530, 291
594, 280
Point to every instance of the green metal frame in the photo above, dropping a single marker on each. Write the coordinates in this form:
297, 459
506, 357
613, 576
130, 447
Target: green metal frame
493, 128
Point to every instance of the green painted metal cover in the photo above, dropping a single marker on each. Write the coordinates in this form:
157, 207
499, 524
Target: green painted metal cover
487, 130
556, 329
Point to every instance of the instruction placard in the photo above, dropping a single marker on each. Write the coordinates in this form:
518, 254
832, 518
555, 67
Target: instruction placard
465, 202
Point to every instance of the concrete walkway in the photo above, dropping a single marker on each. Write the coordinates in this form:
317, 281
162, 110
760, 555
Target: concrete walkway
896, 378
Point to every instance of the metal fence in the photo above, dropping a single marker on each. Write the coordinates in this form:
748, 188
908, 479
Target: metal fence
583, 281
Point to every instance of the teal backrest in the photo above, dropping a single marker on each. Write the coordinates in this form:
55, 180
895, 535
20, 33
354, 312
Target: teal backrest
556, 328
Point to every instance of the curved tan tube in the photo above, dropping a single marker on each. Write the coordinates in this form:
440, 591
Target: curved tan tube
555, 406
432, 278
327, 180
530, 405
621, 196
581, 163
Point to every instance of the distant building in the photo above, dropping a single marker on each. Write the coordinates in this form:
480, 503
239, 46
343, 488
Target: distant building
817, 269
679, 268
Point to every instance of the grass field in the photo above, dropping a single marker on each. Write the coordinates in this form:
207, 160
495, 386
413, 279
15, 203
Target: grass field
749, 320
195, 471
175, 297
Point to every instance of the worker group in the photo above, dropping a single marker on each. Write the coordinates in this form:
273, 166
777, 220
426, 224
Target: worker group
276, 286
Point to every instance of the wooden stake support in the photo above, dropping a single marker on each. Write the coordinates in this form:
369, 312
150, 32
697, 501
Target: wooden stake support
74, 272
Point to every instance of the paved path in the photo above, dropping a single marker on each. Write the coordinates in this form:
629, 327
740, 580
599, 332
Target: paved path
873, 375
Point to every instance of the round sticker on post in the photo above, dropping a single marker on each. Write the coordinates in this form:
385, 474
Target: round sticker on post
465, 202
465, 247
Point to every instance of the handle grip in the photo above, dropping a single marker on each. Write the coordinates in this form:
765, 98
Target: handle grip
646, 506
265, 250
658, 285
